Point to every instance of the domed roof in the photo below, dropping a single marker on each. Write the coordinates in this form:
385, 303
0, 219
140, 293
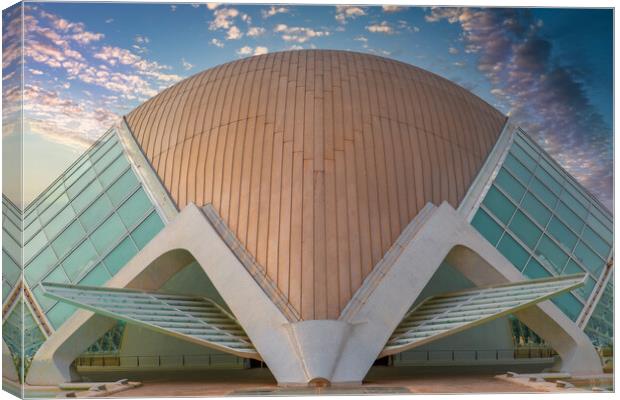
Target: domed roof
316, 159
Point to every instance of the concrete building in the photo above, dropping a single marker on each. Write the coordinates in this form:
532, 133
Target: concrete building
315, 211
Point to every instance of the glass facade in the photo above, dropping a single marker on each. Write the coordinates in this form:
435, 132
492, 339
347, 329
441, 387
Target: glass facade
11, 246
32, 338
86, 225
543, 221
600, 327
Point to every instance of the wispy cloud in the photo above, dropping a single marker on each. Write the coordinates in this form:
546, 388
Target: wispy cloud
248, 50
348, 12
256, 31
383, 27
546, 97
393, 8
186, 65
273, 10
217, 43
298, 34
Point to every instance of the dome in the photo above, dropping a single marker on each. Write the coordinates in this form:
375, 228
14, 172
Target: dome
316, 159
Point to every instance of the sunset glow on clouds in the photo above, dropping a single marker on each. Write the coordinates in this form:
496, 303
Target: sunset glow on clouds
85, 65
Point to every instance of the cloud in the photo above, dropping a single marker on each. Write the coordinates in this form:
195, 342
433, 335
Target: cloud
393, 8
217, 43
348, 12
383, 27
247, 50
36, 71
233, 33
546, 96
173, 7
186, 65
213, 6
87, 37
255, 31
298, 34
223, 18
273, 10
109, 20
453, 50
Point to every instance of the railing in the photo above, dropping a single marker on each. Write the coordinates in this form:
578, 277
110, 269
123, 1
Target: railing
496, 355
160, 361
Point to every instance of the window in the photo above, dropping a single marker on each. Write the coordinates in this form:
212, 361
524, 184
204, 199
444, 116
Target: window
59, 313
134, 208
570, 218
118, 257
525, 229
510, 185
34, 245
81, 259
593, 262
551, 253
60, 221
534, 270
499, 205
96, 213
596, 242
523, 155
544, 194
97, 277
562, 234
113, 171
568, 303
513, 251
108, 233
599, 228
68, 238
39, 266
87, 196
536, 209
572, 268
517, 169
124, 185
576, 206
147, 229
81, 183
548, 181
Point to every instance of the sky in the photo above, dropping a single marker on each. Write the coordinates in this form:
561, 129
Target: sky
87, 64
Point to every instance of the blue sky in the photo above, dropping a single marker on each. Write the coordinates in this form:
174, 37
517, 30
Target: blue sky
86, 64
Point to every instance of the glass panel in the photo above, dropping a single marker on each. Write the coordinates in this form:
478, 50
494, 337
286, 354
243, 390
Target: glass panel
577, 207
513, 251
81, 259
517, 169
34, 245
39, 266
10, 270
525, 229
572, 268
510, 185
54, 192
118, 191
118, 257
586, 289
11, 246
134, 208
87, 196
562, 234
44, 302
97, 277
534, 270
603, 217
544, 194
553, 172
596, 242
60, 221
551, 252
108, 233
31, 229
110, 174
83, 166
568, 303
54, 208
487, 226
536, 209
147, 230
569, 217
588, 258
59, 314
523, 156
548, 180
68, 238
96, 213
600, 228
103, 147
57, 276
81, 183
107, 158
499, 205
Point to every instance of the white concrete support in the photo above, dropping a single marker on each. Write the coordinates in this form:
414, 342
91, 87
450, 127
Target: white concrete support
8, 366
446, 235
339, 351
